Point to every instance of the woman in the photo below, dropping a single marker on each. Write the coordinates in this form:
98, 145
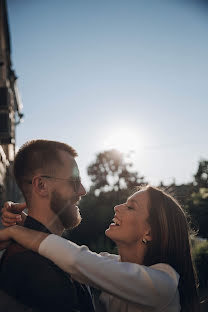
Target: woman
154, 270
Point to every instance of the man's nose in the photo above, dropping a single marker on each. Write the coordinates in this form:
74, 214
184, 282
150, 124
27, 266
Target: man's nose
82, 191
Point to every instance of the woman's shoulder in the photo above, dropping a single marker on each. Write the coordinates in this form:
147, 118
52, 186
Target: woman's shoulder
167, 269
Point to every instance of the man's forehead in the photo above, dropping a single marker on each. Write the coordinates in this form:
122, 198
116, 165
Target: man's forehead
69, 164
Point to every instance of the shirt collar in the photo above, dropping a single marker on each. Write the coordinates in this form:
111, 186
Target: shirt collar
34, 224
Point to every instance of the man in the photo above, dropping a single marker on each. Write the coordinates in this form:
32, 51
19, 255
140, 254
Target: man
48, 176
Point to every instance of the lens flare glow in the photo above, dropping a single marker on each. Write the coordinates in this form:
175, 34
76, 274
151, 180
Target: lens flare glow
124, 140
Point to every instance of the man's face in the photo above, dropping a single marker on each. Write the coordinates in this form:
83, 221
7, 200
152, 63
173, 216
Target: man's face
66, 209
64, 195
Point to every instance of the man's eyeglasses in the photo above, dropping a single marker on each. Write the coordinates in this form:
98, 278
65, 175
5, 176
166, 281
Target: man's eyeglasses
75, 182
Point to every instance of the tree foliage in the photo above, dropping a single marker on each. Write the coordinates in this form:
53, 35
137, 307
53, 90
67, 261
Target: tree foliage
112, 171
200, 255
201, 176
197, 207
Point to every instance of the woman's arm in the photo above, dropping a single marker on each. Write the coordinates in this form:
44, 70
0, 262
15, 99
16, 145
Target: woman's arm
29, 239
150, 286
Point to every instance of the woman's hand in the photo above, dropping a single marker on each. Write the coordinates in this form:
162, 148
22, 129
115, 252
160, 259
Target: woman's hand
12, 214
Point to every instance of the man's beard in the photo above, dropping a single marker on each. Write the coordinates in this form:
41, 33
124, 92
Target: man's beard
65, 209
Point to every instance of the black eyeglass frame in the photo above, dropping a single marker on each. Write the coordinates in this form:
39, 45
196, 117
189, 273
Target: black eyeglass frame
76, 182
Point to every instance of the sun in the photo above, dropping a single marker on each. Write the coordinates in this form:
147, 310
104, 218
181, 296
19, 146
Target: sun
124, 140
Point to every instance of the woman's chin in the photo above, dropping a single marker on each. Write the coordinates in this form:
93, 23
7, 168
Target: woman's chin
109, 233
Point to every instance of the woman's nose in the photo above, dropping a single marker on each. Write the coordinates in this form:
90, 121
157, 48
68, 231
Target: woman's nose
117, 208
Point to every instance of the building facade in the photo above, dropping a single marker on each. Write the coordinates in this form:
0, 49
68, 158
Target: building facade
10, 110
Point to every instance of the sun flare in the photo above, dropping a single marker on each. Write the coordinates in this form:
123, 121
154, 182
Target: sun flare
124, 140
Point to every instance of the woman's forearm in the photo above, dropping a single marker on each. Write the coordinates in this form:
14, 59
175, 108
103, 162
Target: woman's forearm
29, 239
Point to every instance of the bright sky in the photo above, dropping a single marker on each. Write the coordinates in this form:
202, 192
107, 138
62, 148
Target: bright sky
125, 74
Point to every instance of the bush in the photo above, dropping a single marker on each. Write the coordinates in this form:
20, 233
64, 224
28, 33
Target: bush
200, 255
103, 243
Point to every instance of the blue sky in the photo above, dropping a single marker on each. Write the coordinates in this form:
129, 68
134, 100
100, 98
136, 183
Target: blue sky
125, 74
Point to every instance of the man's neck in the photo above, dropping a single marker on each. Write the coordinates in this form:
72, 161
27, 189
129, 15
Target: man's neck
51, 222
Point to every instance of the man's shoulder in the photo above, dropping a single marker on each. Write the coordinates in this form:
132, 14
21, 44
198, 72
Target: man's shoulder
11, 250
18, 254
36, 281
23, 261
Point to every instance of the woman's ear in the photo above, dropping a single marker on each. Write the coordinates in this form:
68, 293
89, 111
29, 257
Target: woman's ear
148, 236
40, 186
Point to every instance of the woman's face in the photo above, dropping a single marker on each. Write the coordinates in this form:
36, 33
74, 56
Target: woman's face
130, 224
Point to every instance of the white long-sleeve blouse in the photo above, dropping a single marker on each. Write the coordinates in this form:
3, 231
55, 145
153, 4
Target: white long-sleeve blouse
126, 287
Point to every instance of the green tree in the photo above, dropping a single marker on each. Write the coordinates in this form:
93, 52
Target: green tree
112, 171
200, 255
201, 176
197, 207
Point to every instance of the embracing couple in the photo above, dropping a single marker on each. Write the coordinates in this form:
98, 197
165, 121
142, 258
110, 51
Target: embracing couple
42, 271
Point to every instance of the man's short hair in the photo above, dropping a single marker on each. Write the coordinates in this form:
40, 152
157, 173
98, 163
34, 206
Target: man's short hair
36, 155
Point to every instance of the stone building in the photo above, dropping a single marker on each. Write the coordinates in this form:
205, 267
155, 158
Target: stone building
10, 110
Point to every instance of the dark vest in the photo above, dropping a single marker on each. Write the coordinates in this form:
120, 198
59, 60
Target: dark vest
38, 283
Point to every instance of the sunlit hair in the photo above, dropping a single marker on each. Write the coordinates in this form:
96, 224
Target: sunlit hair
171, 244
38, 155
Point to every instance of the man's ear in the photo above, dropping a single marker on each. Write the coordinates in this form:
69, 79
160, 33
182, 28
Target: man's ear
40, 186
